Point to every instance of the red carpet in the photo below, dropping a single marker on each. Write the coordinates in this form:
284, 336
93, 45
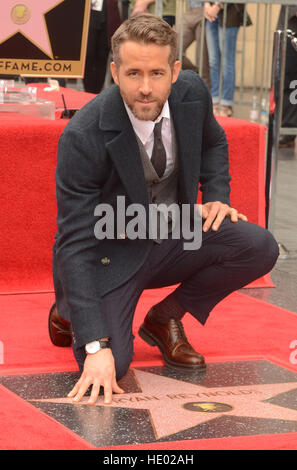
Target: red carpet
23, 427
240, 328
28, 148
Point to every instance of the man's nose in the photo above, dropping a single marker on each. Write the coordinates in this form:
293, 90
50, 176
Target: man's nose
145, 86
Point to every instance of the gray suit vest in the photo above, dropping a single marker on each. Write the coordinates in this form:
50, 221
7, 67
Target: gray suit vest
161, 190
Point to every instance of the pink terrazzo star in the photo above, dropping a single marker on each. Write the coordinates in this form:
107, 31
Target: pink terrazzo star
175, 406
27, 17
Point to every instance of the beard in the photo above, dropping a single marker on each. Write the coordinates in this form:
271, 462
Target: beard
144, 114
143, 111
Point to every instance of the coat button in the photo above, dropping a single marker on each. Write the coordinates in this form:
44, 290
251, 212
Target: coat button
105, 261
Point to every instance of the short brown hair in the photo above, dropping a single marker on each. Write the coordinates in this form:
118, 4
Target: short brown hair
145, 28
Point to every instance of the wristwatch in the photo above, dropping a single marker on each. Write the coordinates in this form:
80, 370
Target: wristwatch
95, 346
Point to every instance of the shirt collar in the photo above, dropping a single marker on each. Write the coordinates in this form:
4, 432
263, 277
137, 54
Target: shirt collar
144, 129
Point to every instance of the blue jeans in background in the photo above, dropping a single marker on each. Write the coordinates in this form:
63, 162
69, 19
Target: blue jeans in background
214, 37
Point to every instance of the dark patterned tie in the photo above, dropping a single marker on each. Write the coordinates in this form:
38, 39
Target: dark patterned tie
159, 153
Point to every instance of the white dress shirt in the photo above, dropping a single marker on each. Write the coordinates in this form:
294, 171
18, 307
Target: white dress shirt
145, 132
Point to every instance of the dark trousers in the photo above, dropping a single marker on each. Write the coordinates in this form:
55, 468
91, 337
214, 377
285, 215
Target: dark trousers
228, 259
97, 54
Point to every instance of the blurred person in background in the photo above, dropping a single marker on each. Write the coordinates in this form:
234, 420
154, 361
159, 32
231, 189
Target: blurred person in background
192, 27
223, 106
148, 6
104, 20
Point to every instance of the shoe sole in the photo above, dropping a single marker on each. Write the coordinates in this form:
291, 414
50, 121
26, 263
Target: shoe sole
153, 341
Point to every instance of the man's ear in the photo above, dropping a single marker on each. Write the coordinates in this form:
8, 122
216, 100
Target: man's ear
114, 72
175, 70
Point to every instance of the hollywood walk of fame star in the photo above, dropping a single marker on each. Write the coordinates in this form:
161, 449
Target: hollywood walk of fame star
27, 17
175, 405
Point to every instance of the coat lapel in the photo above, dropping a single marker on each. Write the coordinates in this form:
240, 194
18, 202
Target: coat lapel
188, 123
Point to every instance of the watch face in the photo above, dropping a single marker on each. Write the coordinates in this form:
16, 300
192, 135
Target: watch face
93, 347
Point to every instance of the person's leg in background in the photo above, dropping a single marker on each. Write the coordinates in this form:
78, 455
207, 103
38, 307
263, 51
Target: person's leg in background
192, 27
205, 64
97, 55
229, 71
214, 55
188, 37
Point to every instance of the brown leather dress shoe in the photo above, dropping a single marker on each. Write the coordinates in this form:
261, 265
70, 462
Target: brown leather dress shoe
59, 329
170, 338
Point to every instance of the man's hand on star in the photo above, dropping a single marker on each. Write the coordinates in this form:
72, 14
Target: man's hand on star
215, 212
99, 370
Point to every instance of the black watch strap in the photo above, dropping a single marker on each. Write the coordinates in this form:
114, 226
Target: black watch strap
105, 343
